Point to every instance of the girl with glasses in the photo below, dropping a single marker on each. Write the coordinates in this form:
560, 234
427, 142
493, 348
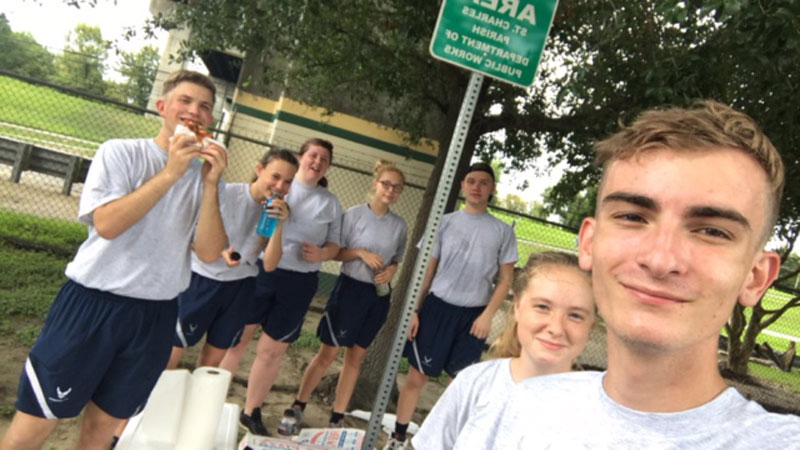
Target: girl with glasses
373, 242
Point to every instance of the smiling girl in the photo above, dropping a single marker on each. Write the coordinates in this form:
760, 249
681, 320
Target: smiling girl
282, 296
220, 291
373, 242
553, 314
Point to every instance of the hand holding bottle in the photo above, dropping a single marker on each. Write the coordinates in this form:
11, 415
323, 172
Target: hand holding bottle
275, 210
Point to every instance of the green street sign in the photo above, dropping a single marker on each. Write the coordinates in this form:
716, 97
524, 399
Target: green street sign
499, 38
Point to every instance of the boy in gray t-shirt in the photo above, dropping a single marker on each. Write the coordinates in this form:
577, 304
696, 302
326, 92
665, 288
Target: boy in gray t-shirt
452, 323
107, 336
687, 202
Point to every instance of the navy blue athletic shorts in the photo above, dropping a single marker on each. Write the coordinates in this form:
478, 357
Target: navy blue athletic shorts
280, 302
96, 346
353, 315
443, 339
214, 307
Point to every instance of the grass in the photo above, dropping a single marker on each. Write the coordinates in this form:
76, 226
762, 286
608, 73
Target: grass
787, 379
30, 282
307, 339
7, 411
534, 236
45, 108
53, 233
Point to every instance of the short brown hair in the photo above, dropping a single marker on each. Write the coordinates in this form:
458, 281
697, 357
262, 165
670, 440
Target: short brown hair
189, 76
708, 126
274, 154
319, 142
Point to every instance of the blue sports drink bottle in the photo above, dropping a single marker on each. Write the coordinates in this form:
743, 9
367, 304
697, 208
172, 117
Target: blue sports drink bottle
266, 224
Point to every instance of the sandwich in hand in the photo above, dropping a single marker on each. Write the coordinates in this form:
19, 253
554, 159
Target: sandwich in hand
199, 131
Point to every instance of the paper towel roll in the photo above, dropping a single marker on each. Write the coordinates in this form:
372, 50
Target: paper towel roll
208, 387
162, 414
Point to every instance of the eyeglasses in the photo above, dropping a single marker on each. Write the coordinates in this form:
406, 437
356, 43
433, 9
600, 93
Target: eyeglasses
397, 188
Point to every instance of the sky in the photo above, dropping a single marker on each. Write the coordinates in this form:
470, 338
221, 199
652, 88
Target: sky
49, 21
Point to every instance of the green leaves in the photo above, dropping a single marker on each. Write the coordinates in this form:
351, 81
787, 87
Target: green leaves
21, 53
604, 62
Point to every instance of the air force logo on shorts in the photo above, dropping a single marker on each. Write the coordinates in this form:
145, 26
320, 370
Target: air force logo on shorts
61, 395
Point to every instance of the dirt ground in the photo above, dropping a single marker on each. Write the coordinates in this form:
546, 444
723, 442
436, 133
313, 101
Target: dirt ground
12, 359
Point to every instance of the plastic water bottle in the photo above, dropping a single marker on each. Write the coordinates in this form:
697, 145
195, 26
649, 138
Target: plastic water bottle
382, 289
266, 224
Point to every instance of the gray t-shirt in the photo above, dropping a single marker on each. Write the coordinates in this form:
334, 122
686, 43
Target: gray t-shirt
150, 260
458, 419
385, 235
572, 410
470, 249
240, 214
315, 217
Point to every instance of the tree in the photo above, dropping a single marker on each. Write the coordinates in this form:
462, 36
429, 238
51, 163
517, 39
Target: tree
140, 69
789, 271
572, 213
514, 203
605, 62
82, 64
21, 54
537, 209
497, 169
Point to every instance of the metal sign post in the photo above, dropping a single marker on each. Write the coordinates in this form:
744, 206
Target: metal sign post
503, 40
424, 255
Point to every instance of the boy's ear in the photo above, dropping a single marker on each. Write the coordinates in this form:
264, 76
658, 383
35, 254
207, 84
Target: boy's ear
585, 238
764, 271
160, 106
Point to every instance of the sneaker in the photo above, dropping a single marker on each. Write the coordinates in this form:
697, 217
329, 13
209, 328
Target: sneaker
395, 442
337, 424
290, 422
253, 423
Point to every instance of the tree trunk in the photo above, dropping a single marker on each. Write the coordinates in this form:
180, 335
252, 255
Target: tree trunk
742, 337
378, 354
735, 328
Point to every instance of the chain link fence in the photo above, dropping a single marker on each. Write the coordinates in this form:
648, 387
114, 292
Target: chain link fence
49, 133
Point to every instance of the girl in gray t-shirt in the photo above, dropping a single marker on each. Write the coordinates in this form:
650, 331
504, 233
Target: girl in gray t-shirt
282, 296
220, 291
553, 314
373, 242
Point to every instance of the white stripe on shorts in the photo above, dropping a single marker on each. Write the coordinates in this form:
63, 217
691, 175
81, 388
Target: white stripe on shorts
416, 355
37, 390
237, 336
330, 330
290, 333
179, 332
